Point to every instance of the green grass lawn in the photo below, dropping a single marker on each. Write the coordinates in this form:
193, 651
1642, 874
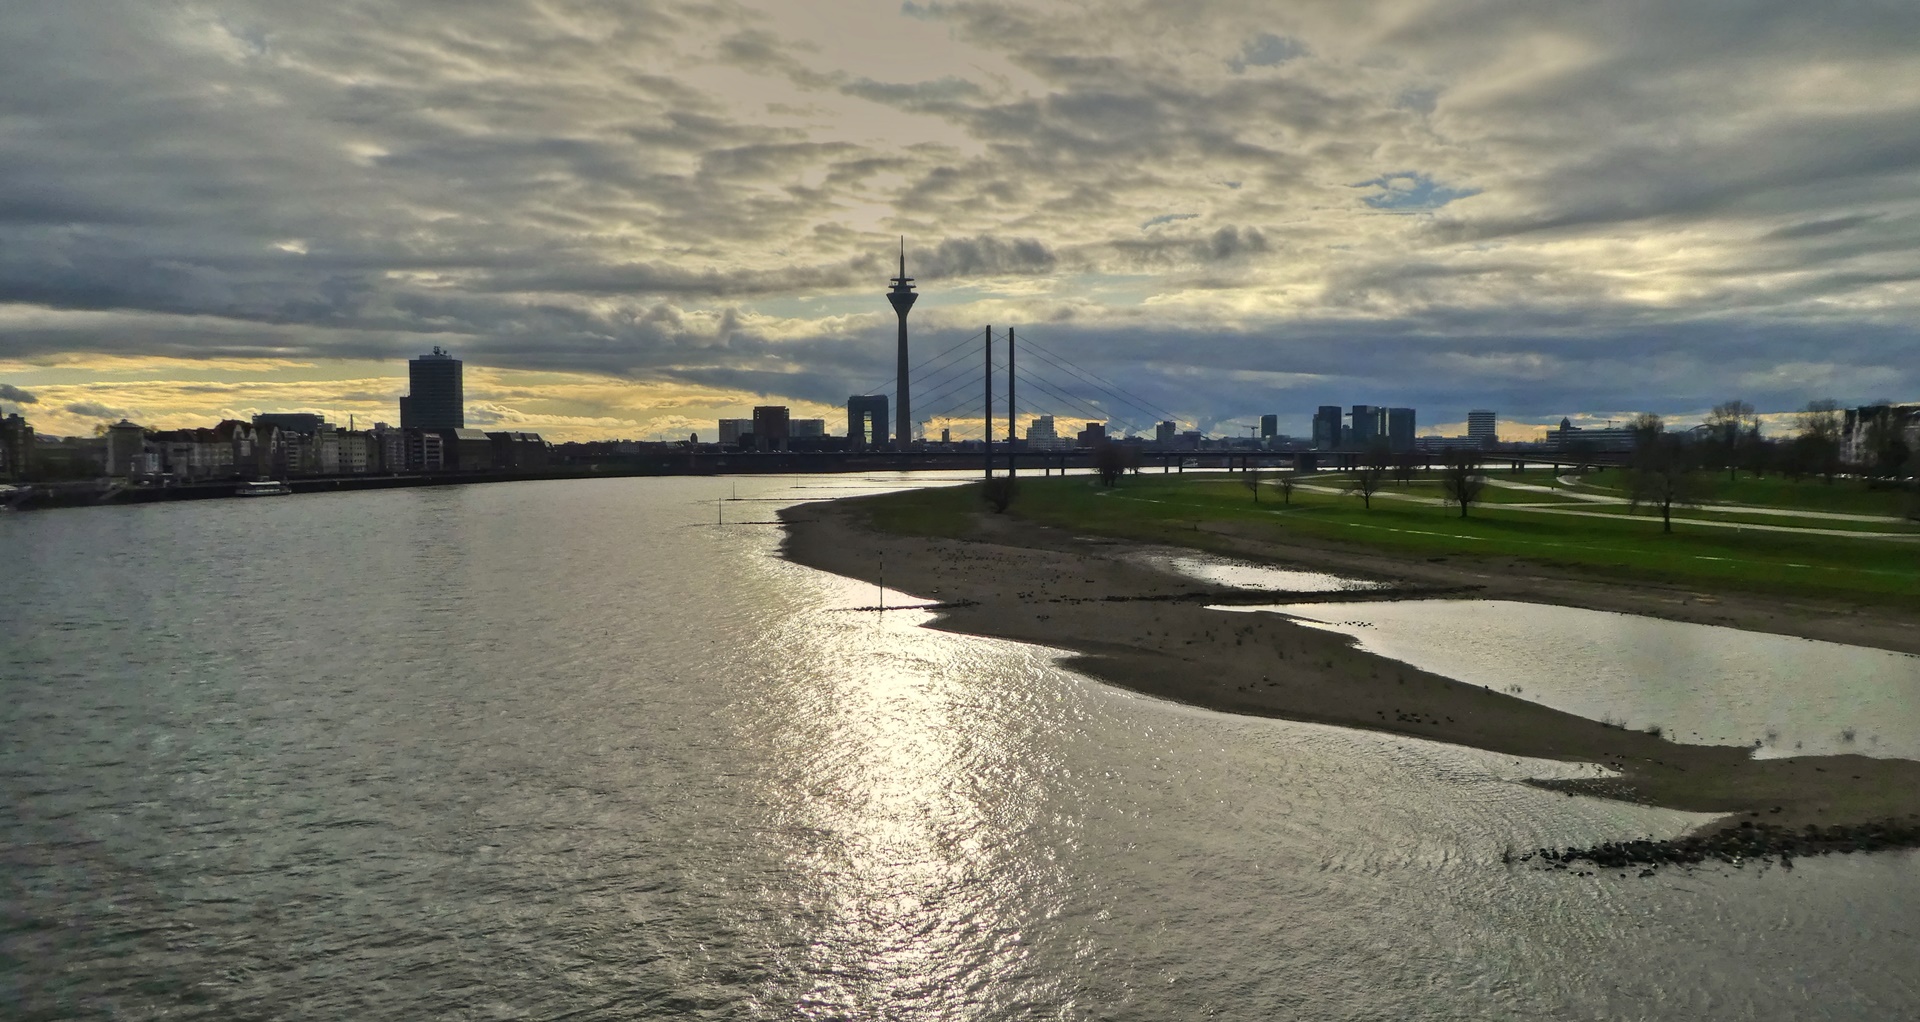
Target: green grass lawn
1754, 518
1171, 509
1846, 495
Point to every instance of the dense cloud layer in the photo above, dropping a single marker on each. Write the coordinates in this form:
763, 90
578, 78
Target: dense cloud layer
1222, 209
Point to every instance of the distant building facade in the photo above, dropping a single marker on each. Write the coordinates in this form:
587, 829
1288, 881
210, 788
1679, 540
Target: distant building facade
292, 422
867, 421
1435, 444
126, 450
436, 393
1042, 436
1165, 432
1269, 426
1326, 428
518, 452
771, 427
1369, 425
1859, 426
733, 430
16, 447
807, 428
1482, 425
1569, 437
1400, 429
1093, 436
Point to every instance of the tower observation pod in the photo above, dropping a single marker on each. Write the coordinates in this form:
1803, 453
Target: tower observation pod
902, 296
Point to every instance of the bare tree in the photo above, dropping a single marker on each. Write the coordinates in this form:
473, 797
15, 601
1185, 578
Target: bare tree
1755, 452
1647, 427
1285, 482
1462, 480
1817, 441
1727, 424
1886, 444
1369, 478
1663, 476
1251, 480
1403, 466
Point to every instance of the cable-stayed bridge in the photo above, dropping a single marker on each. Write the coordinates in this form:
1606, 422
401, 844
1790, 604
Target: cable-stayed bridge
1009, 377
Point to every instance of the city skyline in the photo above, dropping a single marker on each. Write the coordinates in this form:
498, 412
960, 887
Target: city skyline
636, 219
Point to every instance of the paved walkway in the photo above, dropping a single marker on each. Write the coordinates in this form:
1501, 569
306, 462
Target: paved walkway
1731, 509
1549, 509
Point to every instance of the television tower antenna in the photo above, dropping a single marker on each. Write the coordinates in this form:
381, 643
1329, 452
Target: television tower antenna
901, 296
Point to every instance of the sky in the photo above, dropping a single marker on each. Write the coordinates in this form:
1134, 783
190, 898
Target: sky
632, 217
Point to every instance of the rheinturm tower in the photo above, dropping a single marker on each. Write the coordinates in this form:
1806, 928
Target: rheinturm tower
902, 297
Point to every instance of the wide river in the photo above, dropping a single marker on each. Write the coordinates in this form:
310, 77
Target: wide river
573, 751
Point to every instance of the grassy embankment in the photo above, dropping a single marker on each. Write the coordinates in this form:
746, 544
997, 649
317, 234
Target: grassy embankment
1847, 496
1785, 504
1196, 511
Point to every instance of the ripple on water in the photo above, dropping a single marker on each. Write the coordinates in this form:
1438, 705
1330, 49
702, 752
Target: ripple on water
557, 749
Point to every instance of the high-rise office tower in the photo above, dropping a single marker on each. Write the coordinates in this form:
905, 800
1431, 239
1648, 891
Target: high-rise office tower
771, 427
1367, 427
867, 421
1400, 429
436, 397
1480, 427
902, 297
1326, 428
1165, 432
1269, 426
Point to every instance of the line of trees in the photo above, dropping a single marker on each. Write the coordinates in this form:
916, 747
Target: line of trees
1674, 470
1814, 448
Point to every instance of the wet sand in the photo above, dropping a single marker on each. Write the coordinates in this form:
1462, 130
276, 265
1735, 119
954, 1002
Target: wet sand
1150, 631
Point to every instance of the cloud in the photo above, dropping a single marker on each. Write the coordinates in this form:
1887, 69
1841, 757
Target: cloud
90, 410
1267, 50
986, 256
680, 197
1166, 218
8, 392
1409, 190
1820, 228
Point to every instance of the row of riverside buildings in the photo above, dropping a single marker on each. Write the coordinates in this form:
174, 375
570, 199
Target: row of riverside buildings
274, 446
432, 437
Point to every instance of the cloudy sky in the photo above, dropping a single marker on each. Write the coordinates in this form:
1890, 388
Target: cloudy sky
630, 217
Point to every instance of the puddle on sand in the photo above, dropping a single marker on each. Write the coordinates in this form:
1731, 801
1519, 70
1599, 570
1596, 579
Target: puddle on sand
1700, 684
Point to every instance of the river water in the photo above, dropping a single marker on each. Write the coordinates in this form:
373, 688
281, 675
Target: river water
1702, 684
570, 750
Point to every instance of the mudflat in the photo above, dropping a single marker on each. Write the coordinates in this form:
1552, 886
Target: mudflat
1147, 630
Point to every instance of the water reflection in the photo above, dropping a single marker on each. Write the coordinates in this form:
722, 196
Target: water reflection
903, 794
637, 767
1701, 684
1237, 574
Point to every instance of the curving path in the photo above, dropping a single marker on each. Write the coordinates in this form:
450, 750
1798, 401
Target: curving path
1550, 509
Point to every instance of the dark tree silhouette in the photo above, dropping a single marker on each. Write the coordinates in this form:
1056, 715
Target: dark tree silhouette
1462, 480
1403, 466
1664, 473
1727, 425
1369, 478
1817, 443
1284, 482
